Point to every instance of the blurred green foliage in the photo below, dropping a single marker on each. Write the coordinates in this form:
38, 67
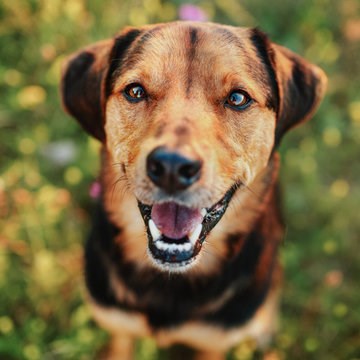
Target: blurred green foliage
44, 198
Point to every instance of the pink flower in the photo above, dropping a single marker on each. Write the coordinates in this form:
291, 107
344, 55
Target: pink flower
192, 12
95, 190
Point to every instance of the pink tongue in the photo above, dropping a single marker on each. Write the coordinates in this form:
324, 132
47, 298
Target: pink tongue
175, 221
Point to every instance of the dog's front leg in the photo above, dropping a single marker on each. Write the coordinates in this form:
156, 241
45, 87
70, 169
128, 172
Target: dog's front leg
209, 355
120, 347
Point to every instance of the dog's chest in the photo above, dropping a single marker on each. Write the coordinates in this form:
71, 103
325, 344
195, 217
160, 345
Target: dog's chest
173, 309
196, 334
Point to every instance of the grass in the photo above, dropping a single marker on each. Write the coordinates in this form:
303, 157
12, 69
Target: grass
45, 202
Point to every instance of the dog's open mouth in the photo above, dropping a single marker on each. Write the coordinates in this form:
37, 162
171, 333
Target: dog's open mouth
176, 232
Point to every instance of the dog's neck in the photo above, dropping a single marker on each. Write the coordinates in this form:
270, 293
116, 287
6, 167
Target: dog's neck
250, 207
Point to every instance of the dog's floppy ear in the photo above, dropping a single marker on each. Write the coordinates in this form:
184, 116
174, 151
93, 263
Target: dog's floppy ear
86, 79
299, 85
301, 88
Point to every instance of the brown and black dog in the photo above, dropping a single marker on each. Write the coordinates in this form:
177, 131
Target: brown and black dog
184, 242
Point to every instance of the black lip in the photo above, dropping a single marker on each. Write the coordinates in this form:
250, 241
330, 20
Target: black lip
181, 258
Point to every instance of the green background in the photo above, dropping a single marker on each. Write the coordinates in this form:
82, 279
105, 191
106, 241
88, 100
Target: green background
45, 202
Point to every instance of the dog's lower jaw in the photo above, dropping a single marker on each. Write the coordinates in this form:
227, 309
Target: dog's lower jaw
180, 254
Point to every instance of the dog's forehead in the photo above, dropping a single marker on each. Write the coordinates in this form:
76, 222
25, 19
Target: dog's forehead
174, 45
190, 55
179, 43
189, 36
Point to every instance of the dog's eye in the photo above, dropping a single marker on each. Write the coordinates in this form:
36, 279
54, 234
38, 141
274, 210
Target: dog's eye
135, 92
238, 100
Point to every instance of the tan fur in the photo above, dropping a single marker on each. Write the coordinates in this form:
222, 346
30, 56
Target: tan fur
197, 335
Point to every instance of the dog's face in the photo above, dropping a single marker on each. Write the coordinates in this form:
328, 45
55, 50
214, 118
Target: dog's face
190, 112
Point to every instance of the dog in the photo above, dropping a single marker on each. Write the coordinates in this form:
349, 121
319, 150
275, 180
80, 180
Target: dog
184, 241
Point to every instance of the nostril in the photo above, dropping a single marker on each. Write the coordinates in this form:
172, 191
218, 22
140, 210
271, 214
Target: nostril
191, 171
156, 168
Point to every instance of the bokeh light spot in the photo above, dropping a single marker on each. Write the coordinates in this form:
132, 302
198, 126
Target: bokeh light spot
32, 352
354, 112
12, 77
22, 196
330, 247
311, 344
245, 350
73, 175
137, 17
48, 52
31, 96
27, 146
74, 9
332, 137
340, 310
334, 278
273, 355
340, 188
80, 316
32, 178
6, 325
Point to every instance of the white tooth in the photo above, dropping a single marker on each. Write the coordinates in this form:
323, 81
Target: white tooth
203, 212
155, 232
193, 236
160, 245
172, 247
180, 247
187, 246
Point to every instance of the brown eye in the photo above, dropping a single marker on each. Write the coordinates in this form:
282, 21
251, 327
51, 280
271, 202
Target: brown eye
135, 93
238, 100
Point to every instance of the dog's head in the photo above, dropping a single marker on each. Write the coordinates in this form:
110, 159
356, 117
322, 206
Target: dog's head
190, 112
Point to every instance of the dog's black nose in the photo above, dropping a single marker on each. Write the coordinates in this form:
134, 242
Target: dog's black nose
172, 171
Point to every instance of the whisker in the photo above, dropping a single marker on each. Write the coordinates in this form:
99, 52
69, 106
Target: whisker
114, 186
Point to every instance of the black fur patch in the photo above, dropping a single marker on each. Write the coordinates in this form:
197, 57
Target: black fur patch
98, 246
122, 44
299, 97
305, 90
242, 306
81, 96
266, 56
137, 50
193, 35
